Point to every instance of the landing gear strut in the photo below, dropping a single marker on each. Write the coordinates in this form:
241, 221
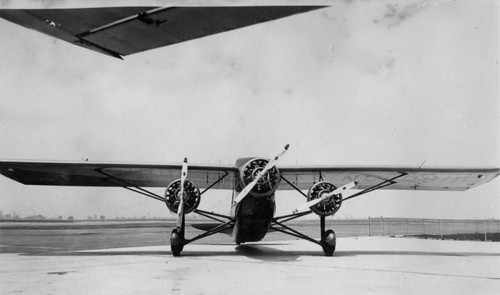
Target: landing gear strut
328, 239
178, 239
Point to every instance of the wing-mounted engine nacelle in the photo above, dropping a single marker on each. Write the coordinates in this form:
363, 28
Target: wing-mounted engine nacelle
191, 196
330, 205
267, 184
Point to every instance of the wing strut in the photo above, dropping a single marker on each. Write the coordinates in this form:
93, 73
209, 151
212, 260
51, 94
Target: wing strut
281, 227
122, 183
215, 182
293, 185
136, 189
327, 237
177, 238
220, 228
384, 183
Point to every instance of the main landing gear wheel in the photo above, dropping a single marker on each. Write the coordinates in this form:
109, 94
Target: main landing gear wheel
176, 242
329, 243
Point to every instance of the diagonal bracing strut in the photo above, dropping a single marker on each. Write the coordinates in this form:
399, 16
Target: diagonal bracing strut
136, 189
278, 222
225, 225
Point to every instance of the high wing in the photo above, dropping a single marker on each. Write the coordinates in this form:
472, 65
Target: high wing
105, 174
397, 178
302, 177
120, 31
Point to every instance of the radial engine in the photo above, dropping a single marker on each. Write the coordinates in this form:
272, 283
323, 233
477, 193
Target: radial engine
329, 206
191, 196
267, 184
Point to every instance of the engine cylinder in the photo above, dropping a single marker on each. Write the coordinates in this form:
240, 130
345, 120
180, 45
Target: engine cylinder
191, 196
267, 184
330, 205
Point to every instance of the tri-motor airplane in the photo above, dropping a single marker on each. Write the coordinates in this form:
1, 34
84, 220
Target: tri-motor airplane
121, 31
255, 180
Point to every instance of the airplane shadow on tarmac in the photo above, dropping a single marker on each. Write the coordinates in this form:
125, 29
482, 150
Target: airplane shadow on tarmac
260, 252
255, 251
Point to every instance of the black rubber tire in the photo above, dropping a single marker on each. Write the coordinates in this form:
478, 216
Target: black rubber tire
329, 243
176, 250
176, 243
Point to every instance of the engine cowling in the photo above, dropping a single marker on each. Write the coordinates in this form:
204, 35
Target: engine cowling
267, 184
330, 205
191, 196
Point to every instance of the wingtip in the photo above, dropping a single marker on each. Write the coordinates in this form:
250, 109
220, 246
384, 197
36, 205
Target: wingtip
287, 146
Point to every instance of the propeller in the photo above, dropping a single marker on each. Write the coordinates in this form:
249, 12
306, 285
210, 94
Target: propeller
314, 202
180, 210
263, 172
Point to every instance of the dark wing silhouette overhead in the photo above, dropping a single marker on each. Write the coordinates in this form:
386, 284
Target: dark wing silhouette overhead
120, 31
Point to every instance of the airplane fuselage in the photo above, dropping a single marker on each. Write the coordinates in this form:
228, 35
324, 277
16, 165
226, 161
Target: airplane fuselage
253, 215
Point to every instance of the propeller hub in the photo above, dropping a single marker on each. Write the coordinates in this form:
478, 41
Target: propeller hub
184, 194
322, 194
264, 178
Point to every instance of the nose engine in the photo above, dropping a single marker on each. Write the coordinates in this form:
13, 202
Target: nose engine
191, 196
267, 184
330, 205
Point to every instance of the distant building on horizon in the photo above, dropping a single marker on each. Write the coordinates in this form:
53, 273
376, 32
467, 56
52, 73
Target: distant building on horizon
36, 217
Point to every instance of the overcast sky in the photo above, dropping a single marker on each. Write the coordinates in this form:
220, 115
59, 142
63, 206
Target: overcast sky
358, 83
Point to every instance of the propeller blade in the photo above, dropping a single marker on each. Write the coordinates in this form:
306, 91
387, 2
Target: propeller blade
269, 166
339, 190
180, 210
306, 206
246, 190
184, 172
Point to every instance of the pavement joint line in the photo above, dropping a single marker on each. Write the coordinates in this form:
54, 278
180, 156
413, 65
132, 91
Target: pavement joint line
354, 268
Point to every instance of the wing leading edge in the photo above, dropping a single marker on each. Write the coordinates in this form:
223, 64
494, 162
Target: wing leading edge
396, 178
120, 31
94, 174
149, 175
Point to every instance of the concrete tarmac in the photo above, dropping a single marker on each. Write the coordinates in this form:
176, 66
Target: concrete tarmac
364, 265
